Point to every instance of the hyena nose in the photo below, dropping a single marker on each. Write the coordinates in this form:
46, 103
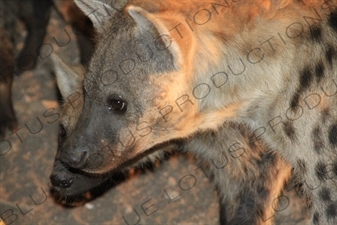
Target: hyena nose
77, 159
62, 182
60, 176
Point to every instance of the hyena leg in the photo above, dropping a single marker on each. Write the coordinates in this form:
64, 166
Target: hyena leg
249, 178
325, 204
35, 14
81, 26
315, 162
84, 31
321, 188
320, 183
85, 41
255, 198
7, 116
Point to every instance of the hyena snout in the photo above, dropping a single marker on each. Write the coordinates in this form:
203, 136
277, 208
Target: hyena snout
79, 152
75, 158
74, 152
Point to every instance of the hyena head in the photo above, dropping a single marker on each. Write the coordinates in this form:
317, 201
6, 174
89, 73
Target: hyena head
70, 82
135, 91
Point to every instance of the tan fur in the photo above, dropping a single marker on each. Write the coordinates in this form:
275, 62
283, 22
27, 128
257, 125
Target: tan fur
230, 180
268, 57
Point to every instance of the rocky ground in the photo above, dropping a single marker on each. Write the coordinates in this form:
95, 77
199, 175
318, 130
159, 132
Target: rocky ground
157, 196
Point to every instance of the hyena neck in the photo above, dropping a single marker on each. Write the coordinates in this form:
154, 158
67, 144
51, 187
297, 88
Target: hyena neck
280, 70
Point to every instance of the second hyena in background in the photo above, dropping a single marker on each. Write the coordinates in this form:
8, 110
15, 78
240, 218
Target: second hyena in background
35, 15
155, 79
7, 116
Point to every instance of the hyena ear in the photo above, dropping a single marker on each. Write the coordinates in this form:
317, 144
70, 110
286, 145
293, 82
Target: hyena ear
99, 11
147, 22
69, 78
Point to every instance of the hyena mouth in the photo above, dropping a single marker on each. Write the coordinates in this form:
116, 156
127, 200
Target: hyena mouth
67, 181
72, 186
101, 166
84, 189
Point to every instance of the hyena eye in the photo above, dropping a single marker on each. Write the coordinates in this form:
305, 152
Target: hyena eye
62, 131
116, 103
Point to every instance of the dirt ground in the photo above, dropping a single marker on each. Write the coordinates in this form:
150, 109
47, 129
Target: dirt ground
174, 192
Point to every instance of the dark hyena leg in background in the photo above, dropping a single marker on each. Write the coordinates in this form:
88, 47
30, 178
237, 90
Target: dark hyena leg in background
7, 116
35, 14
84, 31
249, 178
81, 26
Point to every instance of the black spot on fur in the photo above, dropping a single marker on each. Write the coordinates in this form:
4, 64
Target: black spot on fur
316, 33
331, 211
324, 194
332, 21
333, 135
315, 218
320, 171
289, 130
325, 114
269, 157
317, 139
326, 111
305, 78
302, 166
295, 99
319, 71
330, 54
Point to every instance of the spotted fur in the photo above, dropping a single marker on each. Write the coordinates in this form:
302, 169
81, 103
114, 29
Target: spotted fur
270, 66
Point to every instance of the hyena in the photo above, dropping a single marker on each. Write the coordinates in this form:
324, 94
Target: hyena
248, 195
166, 71
35, 15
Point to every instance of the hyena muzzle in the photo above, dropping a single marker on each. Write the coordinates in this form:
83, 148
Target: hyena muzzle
156, 78
69, 79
